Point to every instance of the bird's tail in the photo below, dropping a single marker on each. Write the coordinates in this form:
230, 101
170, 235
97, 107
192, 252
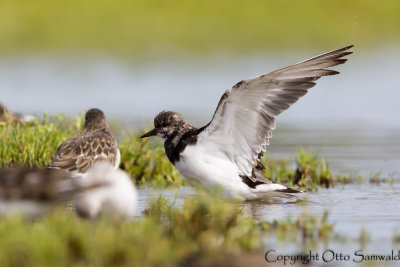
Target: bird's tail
289, 190
276, 193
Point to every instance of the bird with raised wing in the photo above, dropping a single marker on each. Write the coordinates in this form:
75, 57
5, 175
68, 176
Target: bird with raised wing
225, 153
94, 143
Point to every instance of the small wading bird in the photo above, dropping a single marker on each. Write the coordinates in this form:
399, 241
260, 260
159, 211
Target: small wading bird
117, 197
33, 192
225, 153
94, 143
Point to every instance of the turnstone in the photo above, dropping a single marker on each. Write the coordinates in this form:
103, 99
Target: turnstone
94, 143
33, 192
225, 153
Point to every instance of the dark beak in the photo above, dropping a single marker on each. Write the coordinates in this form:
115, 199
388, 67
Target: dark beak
151, 133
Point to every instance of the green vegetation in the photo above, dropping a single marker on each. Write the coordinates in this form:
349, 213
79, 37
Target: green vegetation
146, 161
34, 144
158, 27
396, 237
165, 235
310, 173
204, 228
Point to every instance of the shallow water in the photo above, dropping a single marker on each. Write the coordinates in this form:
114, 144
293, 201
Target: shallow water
352, 208
355, 151
369, 206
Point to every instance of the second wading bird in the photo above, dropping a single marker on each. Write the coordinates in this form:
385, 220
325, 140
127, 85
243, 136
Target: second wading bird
225, 153
94, 143
33, 192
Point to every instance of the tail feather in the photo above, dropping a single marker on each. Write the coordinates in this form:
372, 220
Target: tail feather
289, 190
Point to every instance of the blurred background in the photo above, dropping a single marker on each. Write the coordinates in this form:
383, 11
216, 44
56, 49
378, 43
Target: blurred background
133, 59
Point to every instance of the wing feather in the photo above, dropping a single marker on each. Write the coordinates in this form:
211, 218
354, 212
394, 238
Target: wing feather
245, 116
80, 152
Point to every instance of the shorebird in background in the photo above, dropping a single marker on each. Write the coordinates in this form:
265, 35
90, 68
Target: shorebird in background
33, 192
225, 153
94, 143
117, 197
6, 115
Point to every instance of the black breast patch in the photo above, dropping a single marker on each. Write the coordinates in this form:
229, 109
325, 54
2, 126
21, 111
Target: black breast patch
189, 138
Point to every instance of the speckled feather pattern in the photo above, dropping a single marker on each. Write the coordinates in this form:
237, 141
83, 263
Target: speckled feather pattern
94, 143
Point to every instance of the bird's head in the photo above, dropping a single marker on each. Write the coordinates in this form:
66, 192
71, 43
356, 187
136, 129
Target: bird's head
168, 123
95, 119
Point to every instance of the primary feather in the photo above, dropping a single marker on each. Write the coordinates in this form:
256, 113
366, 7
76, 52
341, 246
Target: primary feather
245, 117
225, 153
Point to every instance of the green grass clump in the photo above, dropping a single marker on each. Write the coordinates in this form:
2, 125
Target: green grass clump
311, 172
212, 223
146, 161
35, 143
396, 237
204, 228
278, 171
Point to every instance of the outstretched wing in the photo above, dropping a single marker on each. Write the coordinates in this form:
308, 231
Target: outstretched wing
245, 116
80, 152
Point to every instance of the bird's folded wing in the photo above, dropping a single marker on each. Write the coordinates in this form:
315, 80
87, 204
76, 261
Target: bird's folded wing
79, 153
242, 123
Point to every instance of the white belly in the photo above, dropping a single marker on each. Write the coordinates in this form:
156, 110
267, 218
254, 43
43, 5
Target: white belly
212, 171
117, 159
